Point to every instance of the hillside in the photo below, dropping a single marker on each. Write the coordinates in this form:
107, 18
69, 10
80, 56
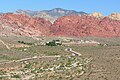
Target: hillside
86, 25
69, 23
21, 24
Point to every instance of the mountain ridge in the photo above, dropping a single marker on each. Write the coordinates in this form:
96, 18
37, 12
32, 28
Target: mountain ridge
95, 25
50, 15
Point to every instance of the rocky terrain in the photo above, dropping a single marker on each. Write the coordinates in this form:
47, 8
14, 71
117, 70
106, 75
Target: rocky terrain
72, 62
59, 22
21, 24
86, 25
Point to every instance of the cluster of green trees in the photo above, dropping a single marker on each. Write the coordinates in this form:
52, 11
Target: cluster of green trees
22, 42
54, 43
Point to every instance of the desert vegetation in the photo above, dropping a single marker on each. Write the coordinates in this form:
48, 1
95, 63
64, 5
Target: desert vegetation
43, 62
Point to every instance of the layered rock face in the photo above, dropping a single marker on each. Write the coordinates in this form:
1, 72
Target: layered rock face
21, 24
74, 25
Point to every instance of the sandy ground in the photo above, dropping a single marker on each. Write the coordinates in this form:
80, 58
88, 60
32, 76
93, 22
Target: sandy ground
105, 64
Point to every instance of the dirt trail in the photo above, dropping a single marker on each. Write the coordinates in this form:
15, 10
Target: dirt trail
5, 44
26, 59
73, 52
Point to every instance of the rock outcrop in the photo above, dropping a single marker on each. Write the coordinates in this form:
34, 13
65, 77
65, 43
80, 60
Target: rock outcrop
97, 15
115, 16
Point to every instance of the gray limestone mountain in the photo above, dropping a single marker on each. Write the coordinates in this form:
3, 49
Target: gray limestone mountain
50, 15
28, 12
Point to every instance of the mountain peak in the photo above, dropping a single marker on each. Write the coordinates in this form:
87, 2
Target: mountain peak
55, 13
58, 9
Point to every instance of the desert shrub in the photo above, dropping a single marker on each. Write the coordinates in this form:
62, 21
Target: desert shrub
22, 42
51, 43
2, 72
54, 43
50, 53
7, 57
28, 65
16, 76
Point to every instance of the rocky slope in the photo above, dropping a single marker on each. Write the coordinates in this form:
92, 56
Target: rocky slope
50, 15
21, 24
86, 25
95, 25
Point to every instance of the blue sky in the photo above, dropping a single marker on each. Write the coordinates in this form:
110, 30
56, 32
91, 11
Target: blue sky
89, 6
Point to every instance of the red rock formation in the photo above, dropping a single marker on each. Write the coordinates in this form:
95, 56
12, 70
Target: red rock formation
21, 24
72, 25
85, 25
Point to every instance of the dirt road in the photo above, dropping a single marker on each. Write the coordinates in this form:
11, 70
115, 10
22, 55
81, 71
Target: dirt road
31, 58
73, 52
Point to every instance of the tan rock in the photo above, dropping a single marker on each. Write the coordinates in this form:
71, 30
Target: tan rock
97, 15
115, 16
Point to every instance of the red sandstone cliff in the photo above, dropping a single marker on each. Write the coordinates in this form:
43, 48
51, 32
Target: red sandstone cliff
72, 25
21, 24
86, 25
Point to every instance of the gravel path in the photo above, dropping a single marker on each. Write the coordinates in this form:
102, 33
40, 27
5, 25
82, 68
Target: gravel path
26, 59
5, 44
